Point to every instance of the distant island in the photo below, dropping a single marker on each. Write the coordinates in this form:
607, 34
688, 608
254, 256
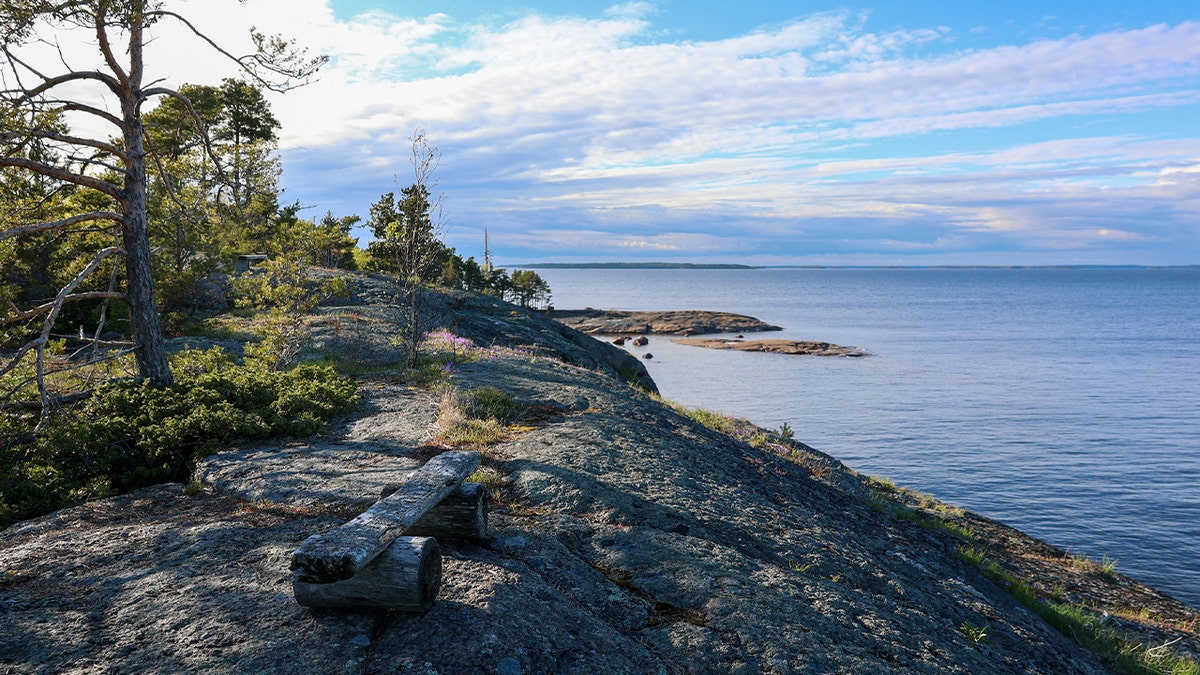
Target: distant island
733, 266
636, 266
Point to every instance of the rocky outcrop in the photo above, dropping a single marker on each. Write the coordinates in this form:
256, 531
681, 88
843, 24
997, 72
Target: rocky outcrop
362, 327
613, 322
802, 347
625, 538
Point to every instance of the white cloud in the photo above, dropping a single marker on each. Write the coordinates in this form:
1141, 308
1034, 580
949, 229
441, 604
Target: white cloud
575, 118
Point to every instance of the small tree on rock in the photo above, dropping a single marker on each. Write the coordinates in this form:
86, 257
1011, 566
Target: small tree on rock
407, 239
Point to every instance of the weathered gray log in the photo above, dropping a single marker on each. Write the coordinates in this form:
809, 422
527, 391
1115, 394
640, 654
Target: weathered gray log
343, 551
461, 515
405, 577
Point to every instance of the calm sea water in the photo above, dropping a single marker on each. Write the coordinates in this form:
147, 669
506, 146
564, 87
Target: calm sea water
1065, 403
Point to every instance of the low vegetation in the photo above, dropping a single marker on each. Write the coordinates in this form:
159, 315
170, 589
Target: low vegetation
1085, 626
477, 418
130, 434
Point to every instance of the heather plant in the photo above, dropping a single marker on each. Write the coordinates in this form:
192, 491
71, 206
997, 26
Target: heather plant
448, 347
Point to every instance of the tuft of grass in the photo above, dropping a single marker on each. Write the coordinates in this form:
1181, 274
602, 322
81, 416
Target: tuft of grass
491, 403
974, 633
1106, 566
475, 433
492, 480
712, 420
883, 484
478, 418
799, 567
1083, 626
972, 556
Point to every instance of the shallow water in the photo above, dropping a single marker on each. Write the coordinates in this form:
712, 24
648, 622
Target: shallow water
1063, 402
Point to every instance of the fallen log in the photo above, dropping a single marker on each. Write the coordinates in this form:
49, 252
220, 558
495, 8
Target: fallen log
340, 553
406, 577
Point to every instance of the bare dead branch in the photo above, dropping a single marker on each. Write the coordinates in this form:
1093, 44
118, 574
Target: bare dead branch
58, 224
10, 136
64, 175
288, 65
106, 48
74, 297
112, 288
48, 323
68, 106
16, 360
49, 83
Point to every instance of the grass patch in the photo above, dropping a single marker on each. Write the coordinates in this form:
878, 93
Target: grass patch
780, 442
920, 509
477, 418
884, 484
1106, 565
974, 633
489, 403
713, 420
492, 480
475, 433
920, 518
1083, 626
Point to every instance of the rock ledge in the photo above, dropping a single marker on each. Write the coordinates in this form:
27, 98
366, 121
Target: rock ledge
801, 347
684, 322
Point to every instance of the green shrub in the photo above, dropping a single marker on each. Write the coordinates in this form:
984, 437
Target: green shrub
131, 434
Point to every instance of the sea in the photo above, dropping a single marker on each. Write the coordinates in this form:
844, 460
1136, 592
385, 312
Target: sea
1063, 402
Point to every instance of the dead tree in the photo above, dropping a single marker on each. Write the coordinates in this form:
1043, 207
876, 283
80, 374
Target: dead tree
408, 242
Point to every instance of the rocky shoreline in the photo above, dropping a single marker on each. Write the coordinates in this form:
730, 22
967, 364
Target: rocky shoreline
627, 536
799, 347
683, 322
624, 324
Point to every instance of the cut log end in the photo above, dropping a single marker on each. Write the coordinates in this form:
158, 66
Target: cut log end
461, 515
406, 577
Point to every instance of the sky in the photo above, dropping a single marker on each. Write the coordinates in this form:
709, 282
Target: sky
768, 133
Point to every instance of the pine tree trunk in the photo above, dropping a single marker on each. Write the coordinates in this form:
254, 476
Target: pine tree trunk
151, 354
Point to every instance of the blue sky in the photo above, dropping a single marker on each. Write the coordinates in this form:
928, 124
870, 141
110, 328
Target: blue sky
756, 132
